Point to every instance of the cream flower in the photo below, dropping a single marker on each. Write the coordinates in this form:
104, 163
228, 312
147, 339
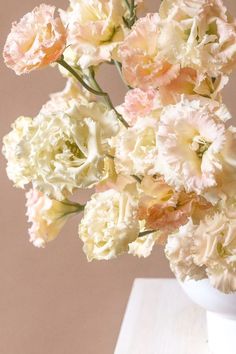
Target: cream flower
190, 142
142, 246
140, 103
64, 151
36, 41
16, 149
109, 224
136, 148
143, 64
210, 44
164, 209
94, 29
215, 248
179, 251
47, 216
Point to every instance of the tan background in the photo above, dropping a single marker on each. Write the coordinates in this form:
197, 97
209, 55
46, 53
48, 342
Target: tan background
52, 301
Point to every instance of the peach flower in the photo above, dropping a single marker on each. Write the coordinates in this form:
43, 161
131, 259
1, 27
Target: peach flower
142, 65
47, 216
140, 103
166, 210
36, 41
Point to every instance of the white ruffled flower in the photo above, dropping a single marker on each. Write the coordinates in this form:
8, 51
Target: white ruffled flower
47, 216
136, 148
16, 149
142, 246
109, 224
179, 251
94, 30
215, 248
64, 151
190, 141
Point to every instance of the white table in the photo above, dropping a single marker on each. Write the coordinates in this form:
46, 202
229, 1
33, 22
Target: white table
160, 319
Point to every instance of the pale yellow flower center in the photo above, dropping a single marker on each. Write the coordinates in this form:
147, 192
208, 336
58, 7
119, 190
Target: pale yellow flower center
200, 145
74, 149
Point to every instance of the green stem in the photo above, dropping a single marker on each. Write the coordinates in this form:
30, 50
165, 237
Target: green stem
132, 8
106, 98
127, 4
129, 21
98, 91
139, 180
148, 232
63, 63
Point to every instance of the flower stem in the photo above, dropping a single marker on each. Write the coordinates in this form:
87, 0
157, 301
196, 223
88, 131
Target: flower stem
106, 98
65, 65
127, 3
148, 232
138, 179
132, 14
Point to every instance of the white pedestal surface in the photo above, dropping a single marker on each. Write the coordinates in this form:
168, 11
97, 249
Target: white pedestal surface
160, 319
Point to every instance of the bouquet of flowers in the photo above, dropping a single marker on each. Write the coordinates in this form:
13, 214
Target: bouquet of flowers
163, 163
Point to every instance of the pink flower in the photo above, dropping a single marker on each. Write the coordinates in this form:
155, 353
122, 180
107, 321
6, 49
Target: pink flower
184, 83
36, 41
142, 65
139, 103
166, 210
47, 216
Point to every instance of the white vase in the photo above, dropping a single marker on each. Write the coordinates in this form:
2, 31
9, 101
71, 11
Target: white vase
221, 314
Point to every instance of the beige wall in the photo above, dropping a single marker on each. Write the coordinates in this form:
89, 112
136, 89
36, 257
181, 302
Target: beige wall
52, 301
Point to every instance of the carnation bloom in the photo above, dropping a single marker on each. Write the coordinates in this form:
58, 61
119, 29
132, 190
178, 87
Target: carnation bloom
140, 103
109, 225
210, 44
136, 148
47, 216
36, 41
94, 29
179, 251
65, 151
190, 141
164, 209
215, 247
142, 63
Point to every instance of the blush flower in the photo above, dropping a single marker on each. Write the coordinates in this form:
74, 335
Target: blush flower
36, 41
191, 140
143, 64
140, 103
47, 216
114, 225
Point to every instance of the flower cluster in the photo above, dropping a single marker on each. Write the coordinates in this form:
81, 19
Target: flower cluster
163, 162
